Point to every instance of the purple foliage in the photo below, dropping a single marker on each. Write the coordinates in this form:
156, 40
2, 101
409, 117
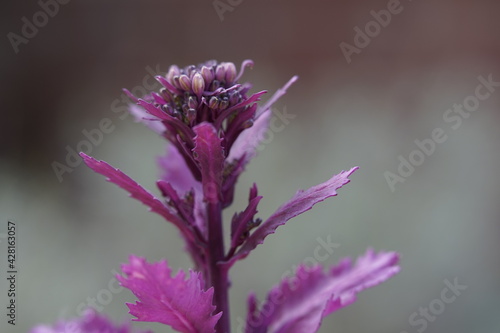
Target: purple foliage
214, 125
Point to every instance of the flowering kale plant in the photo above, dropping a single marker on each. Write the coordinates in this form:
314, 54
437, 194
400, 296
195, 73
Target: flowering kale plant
213, 125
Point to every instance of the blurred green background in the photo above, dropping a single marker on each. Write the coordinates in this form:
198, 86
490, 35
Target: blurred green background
443, 219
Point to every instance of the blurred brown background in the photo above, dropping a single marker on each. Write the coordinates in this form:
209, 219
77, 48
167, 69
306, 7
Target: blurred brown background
443, 218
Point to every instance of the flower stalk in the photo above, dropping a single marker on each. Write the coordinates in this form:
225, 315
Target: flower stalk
218, 274
214, 126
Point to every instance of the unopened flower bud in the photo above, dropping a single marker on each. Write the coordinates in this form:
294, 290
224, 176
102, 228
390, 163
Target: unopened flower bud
172, 71
167, 96
190, 70
230, 72
167, 108
198, 84
213, 103
215, 85
220, 72
234, 98
208, 74
176, 83
192, 102
176, 114
224, 103
191, 115
185, 82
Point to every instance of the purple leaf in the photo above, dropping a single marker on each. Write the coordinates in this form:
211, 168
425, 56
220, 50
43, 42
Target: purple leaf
184, 208
238, 124
243, 222
153, 110
248, 141
232, 172
167, 84
208, 152
277, 95
200, 213
174, 170
175, 301
299, 303
170, 123
301, 202
190, 207
224, 114
141, 116
136, 191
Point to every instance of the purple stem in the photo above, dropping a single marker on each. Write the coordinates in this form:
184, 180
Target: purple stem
218, 274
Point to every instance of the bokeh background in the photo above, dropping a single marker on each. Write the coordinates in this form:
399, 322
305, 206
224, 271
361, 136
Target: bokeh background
443, 219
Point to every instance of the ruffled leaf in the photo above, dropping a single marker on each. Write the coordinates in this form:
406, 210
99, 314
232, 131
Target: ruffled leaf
301, 202
299, 303
209, 154
175, 301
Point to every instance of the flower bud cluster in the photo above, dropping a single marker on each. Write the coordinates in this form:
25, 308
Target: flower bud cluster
202, 93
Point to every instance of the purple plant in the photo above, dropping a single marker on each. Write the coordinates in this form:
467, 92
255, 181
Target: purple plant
213, 126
